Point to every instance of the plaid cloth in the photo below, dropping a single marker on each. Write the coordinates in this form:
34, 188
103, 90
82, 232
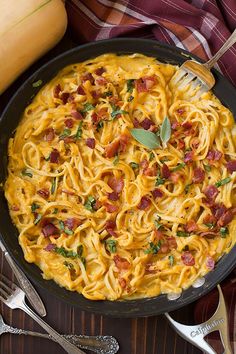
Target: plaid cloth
199, 26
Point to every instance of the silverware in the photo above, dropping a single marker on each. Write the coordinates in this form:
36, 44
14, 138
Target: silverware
195, 334
25, 284
196, 78
12, 296
97, 344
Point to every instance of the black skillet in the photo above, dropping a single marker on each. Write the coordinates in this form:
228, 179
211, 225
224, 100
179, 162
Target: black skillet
8, 233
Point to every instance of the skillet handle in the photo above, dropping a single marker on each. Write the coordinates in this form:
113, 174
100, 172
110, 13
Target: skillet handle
195, 334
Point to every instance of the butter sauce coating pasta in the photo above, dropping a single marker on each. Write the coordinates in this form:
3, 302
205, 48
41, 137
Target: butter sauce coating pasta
103, 214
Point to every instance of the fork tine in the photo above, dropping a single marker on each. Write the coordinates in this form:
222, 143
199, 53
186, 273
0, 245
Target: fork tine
8, 282
4, 294
186, 81
178, 76
5, 288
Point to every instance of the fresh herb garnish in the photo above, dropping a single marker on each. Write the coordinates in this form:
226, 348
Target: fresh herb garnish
116, 160
134, 165
55, 211
25, 172
65, 134
130, 85
111, 245
34, 206
79, 132
171, 260
223, 182
130, 99
157, 224
151, 156
116, 110
224, 232
207, 168
153, 248
89, 204
47, 158
178, 167
100, 125
146, 138
69, 265
87, 107
53, 186
187, 188
210, 225
37, 219
65, 253
65, 229
165, 131
182, 234
37, 83
107, 94
159, 181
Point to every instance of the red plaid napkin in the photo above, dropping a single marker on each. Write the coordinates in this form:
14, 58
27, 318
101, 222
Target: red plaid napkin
199, 26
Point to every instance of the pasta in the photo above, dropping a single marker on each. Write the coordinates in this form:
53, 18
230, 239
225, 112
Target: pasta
98, 209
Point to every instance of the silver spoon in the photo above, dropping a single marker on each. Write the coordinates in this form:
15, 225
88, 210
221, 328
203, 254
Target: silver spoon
97, 344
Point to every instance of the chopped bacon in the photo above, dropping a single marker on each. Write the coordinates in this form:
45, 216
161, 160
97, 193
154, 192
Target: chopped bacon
49, 134
187, 125
102, 112
208, 234
198, 175
124, 139
116, 184
94, 118
96, 94
72, 223
180, 111
214, 155
80, 90
66, 191
136, 123
147, 123
110, 226
121, 263
150, 81
100, 71
188, 258
225, 219
209, 219
144, 164
69, 139
231, 166
69, 123
175, 176
15, 208
97, 205
158, 235
211, 193
90, 142
195, 142
57, 90
188, 157
210, 263
50, 247
77, 115
181, 144
50, 230
88, 77
175, 125
218, 209
144, 203
164, 248
150, 171
191, 226
122, 283
112, 149
111, 208
44, 193
113, 196
101, 81
157, 193
54, 156
171, 242
165, 171
64, 97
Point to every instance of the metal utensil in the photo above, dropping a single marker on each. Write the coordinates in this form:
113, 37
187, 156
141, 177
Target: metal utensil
196, 78
25, 284
195, 334
12, 296
97, 344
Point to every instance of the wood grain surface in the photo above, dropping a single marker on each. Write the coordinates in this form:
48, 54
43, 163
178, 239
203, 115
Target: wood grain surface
151, 335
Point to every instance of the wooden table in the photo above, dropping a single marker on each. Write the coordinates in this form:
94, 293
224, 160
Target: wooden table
151, 335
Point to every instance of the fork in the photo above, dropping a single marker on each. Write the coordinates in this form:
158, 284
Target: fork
97, 344
12, 296
196, 78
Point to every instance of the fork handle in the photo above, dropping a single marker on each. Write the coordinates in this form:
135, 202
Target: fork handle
230, 41
66, 345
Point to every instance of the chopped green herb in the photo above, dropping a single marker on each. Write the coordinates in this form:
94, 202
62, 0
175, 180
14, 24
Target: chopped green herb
146, 138
130, 99
53, 186
207, 168
65, 229
130, 85
151, 156
178, 167
171, 260
223, 182
37, 219
153, 248
90, 202
79, 132
224, 232
157, 224
47, 158
159, 181
134, 165
37, 83
187, 188
65, 133
69, 265
55, 211
182, 234
116, 111
165, 131
116, 160
80, 250
65, 253
210, 225
111, 245
34, 206
24, 172
107, 94
87, 107
100, 125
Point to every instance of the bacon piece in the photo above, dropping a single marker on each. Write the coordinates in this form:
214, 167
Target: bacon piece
69, 123
96, 94
164, 248
122, 283
90, 142
121, 263
146, 123
218, 209
111, 208
68, 139
64, 97
175, 176
110, 226
157, 193
165, 171
49, 134
144, 203
57, 90
54, 156
102, 112
175, 125
112, 149
100, 71
210, 263
180, 111
80, 90
191, 226
188, 157
158, 235
77, 115
15, 208
231, 166
94, 118
150, 171
116, 184
150, 81
50, 247
50, 230
187, 125
195, 142
144, 164
171, 242
181, 144
136, 123
124, 139
140, 85
208, 234
198, 175
72, 223
188, 258
225, 219
101, 81
214, 155
211, 193
113, 196
44, 193
88, 77
209, 219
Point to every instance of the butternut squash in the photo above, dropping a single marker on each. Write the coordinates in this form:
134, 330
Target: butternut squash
28, 29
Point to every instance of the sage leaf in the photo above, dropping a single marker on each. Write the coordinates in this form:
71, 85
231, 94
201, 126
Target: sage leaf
165, 131
146, 138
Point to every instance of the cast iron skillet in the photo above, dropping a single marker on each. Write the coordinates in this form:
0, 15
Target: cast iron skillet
8, 233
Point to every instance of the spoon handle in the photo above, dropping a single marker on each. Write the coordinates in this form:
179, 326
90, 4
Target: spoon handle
97, 344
